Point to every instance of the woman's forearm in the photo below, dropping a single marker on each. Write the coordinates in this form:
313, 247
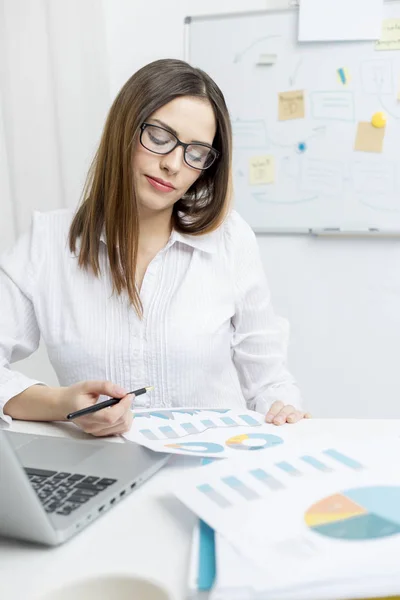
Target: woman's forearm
36, 403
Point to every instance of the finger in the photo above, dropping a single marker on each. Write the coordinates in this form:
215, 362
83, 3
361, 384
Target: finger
282, 415
295, 416
107, 417
121, 426
307, 415
106, 388
118, 411
117, 430
273, 411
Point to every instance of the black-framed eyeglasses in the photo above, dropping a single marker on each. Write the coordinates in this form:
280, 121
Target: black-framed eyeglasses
161, 141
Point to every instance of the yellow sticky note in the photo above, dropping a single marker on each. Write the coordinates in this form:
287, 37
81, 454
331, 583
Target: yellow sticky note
390, 36
291, 105
369, 138
262, 170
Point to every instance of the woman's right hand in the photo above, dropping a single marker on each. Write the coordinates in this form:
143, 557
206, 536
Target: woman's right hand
113, 420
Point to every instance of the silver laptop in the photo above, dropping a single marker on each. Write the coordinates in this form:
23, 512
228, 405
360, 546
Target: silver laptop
51, 488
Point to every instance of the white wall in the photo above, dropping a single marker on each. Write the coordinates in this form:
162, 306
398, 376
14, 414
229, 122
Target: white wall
341, 296
139, 31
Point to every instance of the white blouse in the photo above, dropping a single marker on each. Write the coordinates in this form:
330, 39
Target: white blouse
208, 337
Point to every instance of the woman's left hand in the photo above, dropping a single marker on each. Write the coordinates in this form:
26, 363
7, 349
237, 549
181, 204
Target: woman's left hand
279, 413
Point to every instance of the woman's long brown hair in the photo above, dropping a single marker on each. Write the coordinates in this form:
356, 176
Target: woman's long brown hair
109, 200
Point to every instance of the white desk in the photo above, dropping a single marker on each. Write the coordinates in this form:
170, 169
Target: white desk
146, 534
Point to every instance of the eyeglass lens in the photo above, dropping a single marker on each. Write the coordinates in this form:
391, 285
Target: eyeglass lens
159, 140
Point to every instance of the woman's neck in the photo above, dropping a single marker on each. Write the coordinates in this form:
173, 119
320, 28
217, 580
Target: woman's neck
154, 231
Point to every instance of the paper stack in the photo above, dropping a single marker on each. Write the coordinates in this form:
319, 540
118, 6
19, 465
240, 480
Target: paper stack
317, 521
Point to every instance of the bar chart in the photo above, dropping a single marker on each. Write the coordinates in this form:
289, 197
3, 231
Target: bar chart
174, 413
156, 428
288, 468
346, 460
240, 488
316, 463
213, 495
274, 479
271, 482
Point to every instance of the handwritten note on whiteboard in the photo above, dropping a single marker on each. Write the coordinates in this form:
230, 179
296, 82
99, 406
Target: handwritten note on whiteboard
340, 20
291, 105
390, 36
262, 170
369, 138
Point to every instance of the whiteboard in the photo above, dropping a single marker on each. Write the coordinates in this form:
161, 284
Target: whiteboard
320, 182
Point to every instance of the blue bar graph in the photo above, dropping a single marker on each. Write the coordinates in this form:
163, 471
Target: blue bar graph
241, 488
168, 431
342, 458
213, 495
228, 421
267, 479
209, 423
317, 464
189, 428
288, 468
149, 434
249, 420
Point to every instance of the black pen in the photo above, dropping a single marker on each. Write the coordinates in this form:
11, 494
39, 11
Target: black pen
105, 404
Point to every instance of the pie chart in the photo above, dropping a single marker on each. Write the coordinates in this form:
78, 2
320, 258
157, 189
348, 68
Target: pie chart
364, 513
253, 441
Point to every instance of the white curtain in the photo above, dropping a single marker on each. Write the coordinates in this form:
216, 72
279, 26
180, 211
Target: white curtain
54, 95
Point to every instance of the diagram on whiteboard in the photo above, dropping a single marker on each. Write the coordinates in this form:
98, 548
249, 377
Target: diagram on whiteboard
315, 126
206, 432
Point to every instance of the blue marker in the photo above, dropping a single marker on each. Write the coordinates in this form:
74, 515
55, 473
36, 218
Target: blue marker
343, 76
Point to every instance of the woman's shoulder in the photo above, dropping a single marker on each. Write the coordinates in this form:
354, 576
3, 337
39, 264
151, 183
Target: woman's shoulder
236, 231
234, 221
50, 229
45, 239
232, 231
46, 231
52, 222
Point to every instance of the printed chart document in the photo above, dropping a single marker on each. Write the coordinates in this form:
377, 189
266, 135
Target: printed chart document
340, 20
236, 576
212, 432
310, 516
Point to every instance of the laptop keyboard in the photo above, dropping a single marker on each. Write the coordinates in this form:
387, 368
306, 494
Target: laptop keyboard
63, 493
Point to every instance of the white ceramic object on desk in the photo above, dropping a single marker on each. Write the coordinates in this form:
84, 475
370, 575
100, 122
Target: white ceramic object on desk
113, 587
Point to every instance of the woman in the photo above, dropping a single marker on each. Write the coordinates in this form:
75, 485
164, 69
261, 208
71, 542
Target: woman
154, 280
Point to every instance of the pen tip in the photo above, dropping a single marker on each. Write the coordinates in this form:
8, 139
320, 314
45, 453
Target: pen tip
149, 388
